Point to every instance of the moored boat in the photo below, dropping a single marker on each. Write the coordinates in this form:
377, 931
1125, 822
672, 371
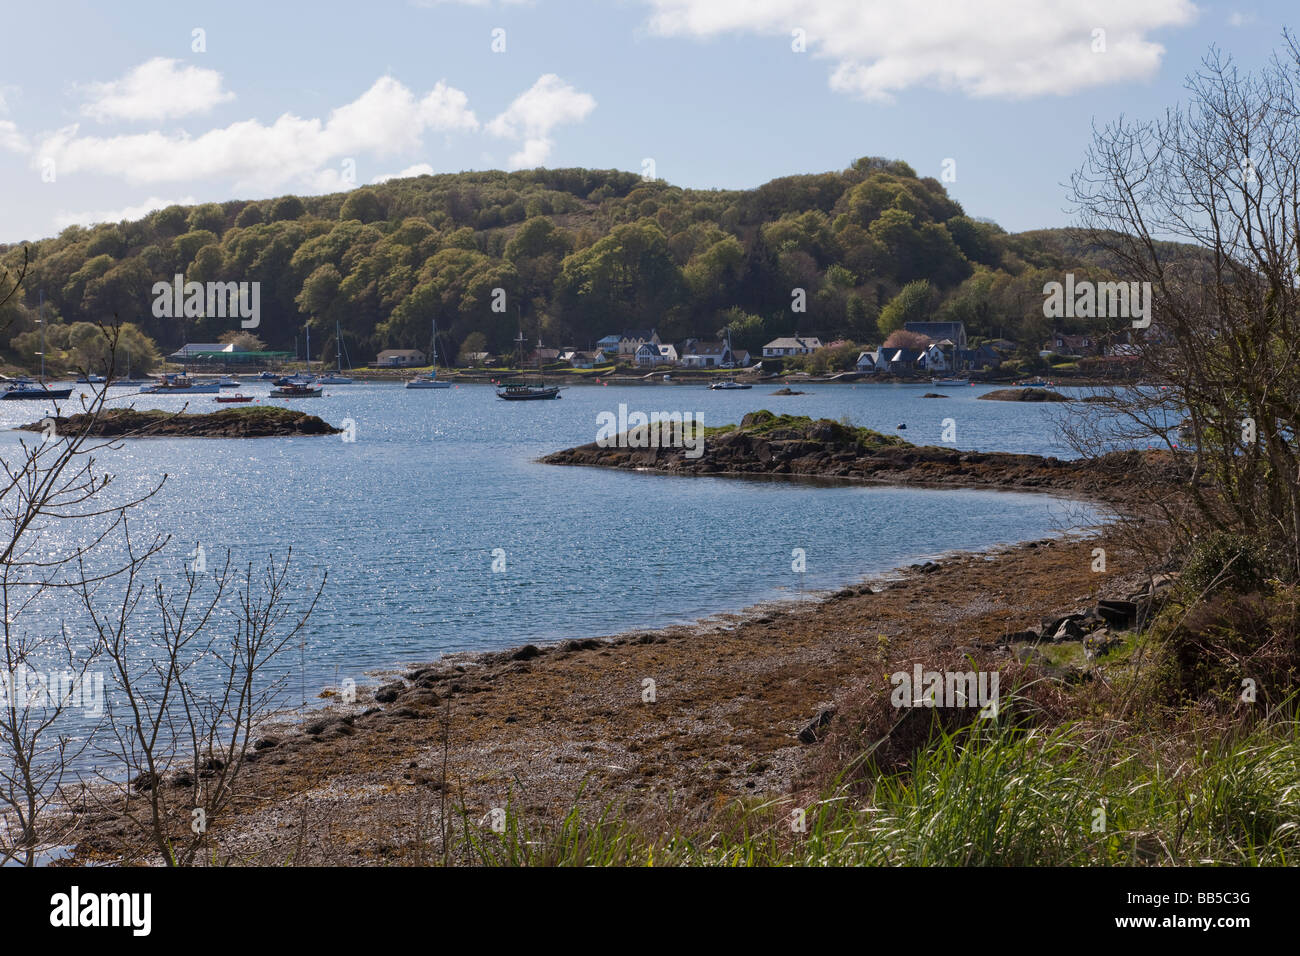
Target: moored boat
25, 389
528, 393
177, 383
431, 380
237, 397
297, 390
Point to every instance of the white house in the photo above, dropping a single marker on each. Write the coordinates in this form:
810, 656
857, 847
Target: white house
938, 358
668, 354
791, 345
708, 355
609, 344
647, 354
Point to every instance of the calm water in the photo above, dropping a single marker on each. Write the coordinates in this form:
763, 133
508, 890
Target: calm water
406, 519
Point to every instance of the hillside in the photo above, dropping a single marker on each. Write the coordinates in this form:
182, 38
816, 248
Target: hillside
581, 252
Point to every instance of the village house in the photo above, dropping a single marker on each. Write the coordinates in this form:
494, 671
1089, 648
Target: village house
633, 339
475, 359
583, 359
708, 355
791, 345
542, 356
399, 358
668, 354
866, 362
1080, 345
647, 355
940, 357
954, 332
899, 361
609, 344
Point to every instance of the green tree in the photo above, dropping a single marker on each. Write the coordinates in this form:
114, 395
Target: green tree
912, 304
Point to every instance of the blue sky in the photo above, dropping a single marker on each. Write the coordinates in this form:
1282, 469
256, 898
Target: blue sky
107, 110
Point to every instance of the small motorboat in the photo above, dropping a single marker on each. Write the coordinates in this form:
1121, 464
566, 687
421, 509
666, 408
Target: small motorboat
730, 385
237, 397
526, 393
334, 380
949, 381
297, 390
227, 381
91, 380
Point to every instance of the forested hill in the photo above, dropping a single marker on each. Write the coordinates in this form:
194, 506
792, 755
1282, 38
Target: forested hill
582, 252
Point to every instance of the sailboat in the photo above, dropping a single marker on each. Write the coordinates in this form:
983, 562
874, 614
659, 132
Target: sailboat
128, 380
26, 389
338, 378
528, 393
431, 380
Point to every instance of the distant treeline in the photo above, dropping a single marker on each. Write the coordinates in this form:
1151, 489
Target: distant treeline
579, 254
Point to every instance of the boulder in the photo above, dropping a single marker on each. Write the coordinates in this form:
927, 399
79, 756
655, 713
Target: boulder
1117, 613
811, 731
389, 692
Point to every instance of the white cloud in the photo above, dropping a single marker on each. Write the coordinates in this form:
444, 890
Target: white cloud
1002, 48
1239, 19
535, 113
11, 139
387, 119
64, 219
419, 169
157, 89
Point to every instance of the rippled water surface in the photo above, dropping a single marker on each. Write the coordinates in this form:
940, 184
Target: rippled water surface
405, 520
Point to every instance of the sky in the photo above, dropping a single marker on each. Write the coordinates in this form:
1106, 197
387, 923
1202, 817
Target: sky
110, 110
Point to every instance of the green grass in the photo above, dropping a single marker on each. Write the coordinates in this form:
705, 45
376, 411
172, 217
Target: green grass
987, 796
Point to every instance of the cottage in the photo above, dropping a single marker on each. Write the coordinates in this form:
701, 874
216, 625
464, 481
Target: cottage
740, 357
709, 355
1072, 344
399, 358
609, 344
668, 354
542, 356
955, 332
940, 356
582, 359
646, 355
866, 362
475, 359
791, 345
985, 356
899, 361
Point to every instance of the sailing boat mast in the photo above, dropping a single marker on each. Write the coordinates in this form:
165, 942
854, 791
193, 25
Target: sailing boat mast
41, 319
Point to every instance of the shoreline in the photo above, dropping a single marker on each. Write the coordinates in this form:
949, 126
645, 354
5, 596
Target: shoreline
546, 726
